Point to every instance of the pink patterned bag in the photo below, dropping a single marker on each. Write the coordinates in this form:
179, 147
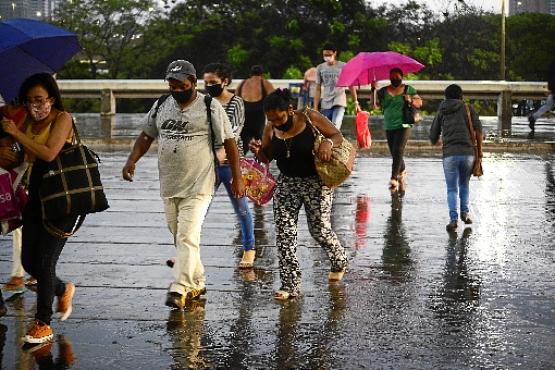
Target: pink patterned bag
258, 180
12, 201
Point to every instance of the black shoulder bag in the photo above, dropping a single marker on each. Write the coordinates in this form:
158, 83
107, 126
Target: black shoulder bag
411, 115
71, 186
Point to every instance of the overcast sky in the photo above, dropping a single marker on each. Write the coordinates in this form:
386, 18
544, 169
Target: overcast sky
441, 5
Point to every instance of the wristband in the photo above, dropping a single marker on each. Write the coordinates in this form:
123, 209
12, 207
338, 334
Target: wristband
328, 140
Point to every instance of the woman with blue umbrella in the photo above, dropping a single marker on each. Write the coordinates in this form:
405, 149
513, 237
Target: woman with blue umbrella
48, 128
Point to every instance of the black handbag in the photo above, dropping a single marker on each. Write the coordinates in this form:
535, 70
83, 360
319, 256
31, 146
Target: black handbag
411, 115
71, 186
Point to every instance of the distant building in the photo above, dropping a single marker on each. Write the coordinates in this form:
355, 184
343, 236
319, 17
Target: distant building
35, 9
531, 6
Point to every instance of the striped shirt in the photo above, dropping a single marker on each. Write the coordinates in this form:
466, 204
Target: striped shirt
235, 110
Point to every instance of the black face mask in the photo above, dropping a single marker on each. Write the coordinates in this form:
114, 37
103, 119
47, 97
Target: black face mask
287, 125
215, 90
396, 82
182, 96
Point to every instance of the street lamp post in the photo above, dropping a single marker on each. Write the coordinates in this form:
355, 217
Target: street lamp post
502, 61
504, 101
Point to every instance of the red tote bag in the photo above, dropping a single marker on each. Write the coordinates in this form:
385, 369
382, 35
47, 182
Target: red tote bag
364, 138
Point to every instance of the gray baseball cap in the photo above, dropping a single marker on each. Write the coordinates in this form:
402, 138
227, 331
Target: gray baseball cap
180, 70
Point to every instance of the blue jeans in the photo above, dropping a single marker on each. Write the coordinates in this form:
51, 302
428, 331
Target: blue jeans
335, 115
457, 169
241, 207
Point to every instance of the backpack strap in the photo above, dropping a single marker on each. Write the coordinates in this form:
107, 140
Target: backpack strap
208, 102
159, 103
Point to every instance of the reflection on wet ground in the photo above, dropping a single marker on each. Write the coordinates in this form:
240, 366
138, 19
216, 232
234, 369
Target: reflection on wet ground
414, 297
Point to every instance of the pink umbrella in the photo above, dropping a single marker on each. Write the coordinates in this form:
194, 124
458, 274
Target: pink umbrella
366, 67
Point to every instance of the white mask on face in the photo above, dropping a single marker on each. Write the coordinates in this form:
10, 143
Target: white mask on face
328, 58
39, 111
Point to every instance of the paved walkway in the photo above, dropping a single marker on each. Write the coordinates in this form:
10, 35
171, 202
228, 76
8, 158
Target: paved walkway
414, 297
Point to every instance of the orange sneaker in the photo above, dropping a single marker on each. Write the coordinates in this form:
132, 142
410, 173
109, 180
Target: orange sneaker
14, 286
64, 302
39, 332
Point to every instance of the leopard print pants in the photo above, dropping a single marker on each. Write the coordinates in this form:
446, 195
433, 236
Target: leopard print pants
292, 193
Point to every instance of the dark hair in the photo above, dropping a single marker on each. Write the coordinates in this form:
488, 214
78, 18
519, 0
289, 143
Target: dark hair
329, 46
223, 71
396, 70
279, 99
46, 81
257, 70
453, 91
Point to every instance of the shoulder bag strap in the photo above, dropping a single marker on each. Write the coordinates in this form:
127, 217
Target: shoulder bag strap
76, 137
309, 121
469, 126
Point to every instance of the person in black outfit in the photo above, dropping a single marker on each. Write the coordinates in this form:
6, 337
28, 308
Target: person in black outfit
289, 139
253, 90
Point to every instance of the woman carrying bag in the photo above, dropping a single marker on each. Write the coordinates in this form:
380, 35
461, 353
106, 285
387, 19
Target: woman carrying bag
48, 128
392, 100
459, 154
217, 78
289, 139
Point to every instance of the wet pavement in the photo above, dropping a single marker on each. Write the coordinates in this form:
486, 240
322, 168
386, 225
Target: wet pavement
414, 297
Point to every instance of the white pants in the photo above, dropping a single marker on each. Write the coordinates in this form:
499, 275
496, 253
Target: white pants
185, 217
17, 267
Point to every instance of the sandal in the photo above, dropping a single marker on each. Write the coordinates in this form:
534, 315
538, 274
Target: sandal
393, 185
336, 276
247, 262
282, 295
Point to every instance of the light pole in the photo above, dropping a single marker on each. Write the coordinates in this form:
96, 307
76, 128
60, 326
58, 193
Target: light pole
502, 61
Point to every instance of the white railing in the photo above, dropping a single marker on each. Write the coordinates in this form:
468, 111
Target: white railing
502, 91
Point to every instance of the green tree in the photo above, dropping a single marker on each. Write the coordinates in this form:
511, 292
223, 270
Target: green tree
530, 45
469, 46
112, 35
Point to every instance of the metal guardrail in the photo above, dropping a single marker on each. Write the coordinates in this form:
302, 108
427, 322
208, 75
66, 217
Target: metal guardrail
108, 91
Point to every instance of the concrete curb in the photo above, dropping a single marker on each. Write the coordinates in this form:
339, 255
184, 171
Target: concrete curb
378, 146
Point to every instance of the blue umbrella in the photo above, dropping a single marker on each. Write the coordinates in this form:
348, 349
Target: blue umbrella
29, 46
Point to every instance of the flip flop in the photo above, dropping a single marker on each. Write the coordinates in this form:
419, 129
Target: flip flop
282, 295
247, 262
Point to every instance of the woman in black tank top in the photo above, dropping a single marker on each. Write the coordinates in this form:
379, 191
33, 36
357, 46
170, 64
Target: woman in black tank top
255, 120
289, 139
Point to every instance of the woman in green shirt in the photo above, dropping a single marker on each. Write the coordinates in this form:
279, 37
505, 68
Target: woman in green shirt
392, 98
